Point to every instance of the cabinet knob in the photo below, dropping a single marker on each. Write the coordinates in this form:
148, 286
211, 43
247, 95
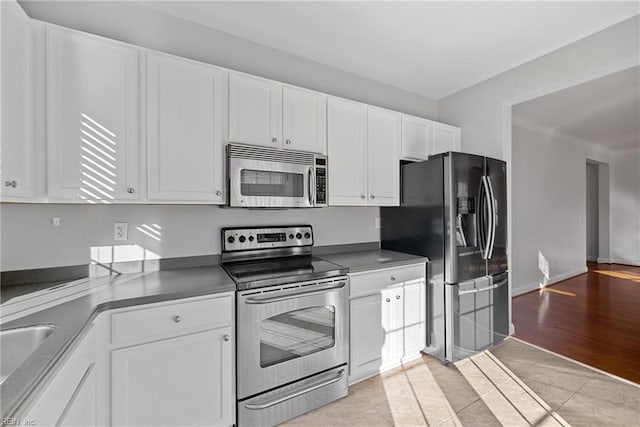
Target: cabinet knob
274, 140
226, 337
388, 299
218, 193
362, 196
393, 278
131, 190
177, 319
397, 296
373, 197
12, 184
288, 141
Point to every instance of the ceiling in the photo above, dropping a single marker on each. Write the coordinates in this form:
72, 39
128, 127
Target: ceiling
429, 48
605, 111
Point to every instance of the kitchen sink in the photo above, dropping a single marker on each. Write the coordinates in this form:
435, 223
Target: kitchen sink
16, 345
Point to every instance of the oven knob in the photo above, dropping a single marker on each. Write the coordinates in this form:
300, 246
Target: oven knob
231, 239
298, 236
251, 238
242, 239
291, 236
307, 235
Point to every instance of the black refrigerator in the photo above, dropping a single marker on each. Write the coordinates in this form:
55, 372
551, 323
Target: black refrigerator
453, 210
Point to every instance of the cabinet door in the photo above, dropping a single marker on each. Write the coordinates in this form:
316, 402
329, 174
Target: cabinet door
304, 118
416, 137
18, 150
383, 148
179, 381
414, 317
346, 145
255, 110
367, 336
92, 117
186, 103
81, 409
393, 325
445, 138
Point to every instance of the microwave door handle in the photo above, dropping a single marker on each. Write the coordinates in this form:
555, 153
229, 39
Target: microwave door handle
311, 192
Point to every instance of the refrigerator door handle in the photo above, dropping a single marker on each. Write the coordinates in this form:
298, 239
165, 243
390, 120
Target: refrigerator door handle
487, 206
492, 217
486, 288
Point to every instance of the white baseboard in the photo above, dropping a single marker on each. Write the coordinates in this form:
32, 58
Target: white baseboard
604, 261
523, 289
592, 258
625, 261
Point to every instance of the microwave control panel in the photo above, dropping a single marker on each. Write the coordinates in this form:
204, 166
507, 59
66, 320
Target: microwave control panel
321, 180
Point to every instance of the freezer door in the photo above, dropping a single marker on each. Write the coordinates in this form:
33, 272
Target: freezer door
463, 187
496, 172
480, 317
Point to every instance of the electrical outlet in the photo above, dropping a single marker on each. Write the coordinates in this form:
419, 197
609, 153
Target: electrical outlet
377, 223
55, 221
120, 231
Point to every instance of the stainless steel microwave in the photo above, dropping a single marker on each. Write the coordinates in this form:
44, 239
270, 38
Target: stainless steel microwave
261, 177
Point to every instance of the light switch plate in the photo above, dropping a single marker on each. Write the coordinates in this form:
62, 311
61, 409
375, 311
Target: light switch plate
120, 231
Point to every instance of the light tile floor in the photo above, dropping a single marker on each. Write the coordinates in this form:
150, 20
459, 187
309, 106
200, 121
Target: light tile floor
514, 384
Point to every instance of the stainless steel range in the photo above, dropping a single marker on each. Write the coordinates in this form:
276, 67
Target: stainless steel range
292, 323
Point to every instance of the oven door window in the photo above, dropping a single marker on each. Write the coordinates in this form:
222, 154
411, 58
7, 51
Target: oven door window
271, 183
296, 333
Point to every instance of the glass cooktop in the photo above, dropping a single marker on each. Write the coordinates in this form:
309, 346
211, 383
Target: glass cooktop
279, 271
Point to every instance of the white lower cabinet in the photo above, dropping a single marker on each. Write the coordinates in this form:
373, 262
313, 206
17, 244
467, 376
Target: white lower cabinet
69, 398
387, 319
178, 381
170, 363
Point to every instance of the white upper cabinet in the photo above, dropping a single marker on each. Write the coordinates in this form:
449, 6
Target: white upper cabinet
445, 138
92, 118
186, 112
347, 151
18, 149
255, 110
383, 148
304, 119
416, 137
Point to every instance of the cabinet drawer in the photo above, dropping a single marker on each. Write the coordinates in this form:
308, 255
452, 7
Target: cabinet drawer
171, 319
370, 282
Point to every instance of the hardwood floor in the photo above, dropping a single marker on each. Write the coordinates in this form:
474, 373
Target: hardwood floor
593, 318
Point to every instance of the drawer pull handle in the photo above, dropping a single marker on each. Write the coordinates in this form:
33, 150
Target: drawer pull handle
226, 337
177, 319
397, 296
393, 278
388, 299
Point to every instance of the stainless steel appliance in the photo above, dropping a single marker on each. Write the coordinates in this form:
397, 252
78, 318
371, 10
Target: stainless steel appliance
454, 211
261, 177
292, 323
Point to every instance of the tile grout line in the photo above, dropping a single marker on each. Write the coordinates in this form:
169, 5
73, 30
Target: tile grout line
499, 391
548, 409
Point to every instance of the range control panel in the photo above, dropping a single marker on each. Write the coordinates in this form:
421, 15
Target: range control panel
242, 239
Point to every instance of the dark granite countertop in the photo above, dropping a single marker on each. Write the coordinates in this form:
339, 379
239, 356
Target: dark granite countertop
359, 261
72, 317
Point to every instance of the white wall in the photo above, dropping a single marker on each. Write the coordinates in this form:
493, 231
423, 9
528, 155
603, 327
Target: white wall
549, 205
592, 212
132, 23
625, 206
30, 241
479, 109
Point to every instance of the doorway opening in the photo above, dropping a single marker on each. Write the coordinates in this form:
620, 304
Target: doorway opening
592, 212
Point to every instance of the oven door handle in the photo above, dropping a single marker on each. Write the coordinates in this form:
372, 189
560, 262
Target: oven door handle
268, 300
321, 383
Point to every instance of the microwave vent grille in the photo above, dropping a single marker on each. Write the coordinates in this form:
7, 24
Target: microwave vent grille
270, 155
